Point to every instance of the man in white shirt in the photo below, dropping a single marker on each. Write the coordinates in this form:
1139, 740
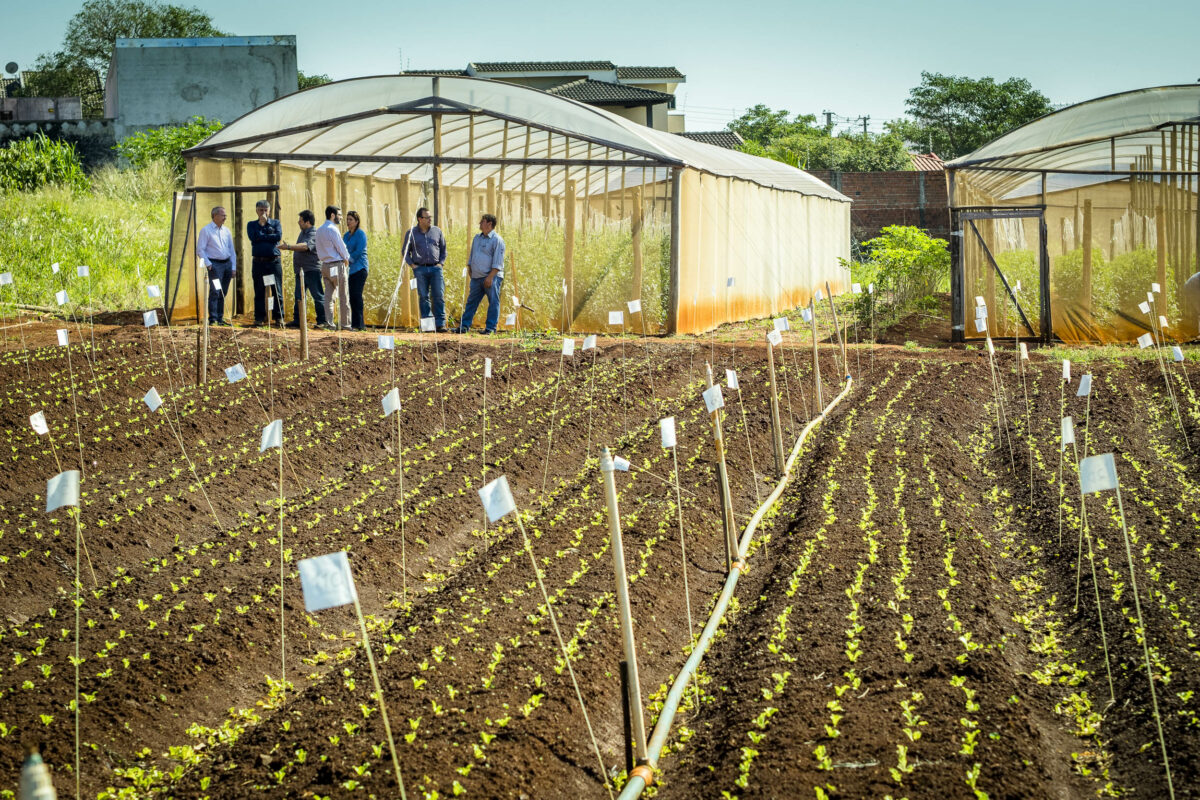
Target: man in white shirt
335, 258
214, 248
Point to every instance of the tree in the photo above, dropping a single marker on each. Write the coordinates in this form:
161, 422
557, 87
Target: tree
800, 142
309, 81
954, 115
92, 33
166, 144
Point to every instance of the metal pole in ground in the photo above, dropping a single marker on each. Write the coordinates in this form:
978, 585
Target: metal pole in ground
776, 431
618, 551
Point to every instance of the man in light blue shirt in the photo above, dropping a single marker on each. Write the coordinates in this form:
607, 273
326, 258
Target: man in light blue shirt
214, 248
486, 266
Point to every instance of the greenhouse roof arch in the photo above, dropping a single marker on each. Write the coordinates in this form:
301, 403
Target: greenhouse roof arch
393, 125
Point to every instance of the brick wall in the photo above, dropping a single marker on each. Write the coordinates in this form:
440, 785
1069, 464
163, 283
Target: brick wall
892, 198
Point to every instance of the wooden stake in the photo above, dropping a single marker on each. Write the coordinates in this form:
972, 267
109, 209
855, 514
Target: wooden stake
727, 519
837, 329
812, 311
776, 429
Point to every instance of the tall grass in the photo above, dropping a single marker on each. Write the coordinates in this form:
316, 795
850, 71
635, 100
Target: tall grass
119, 229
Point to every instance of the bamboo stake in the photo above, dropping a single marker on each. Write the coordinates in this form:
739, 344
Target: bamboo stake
727, 519
387, 726
812, 311
776, 428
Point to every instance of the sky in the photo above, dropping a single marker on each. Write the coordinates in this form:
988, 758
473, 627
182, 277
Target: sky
854, 59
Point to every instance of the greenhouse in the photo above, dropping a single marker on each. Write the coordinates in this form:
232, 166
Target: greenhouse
596, 210
1063, 225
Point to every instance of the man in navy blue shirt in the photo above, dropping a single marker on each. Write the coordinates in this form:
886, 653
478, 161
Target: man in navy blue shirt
425, 252
265, 234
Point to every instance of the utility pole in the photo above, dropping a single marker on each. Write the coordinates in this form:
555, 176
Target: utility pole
864, 122
828, 120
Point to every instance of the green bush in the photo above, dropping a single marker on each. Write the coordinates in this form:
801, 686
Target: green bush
907, 266
167, 144
28, 164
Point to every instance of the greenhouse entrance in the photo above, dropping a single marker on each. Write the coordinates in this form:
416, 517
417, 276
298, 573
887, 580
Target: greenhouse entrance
1003, 268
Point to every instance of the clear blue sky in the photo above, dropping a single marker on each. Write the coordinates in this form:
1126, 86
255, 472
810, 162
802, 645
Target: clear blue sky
850, 58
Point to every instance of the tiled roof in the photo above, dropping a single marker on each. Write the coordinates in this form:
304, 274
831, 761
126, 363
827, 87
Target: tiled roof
587, 90
7, 82
927, 162
542, 66
649, 73
727, 139
436, 72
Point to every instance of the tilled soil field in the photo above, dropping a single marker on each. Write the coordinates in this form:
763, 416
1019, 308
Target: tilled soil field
907, 625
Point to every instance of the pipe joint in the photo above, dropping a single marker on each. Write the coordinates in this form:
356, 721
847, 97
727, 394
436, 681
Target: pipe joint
645, 772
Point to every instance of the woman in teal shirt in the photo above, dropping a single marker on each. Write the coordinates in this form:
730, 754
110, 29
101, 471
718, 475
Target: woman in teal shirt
356, 244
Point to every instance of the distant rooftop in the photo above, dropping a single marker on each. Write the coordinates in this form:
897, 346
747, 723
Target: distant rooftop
927, 162
726, 139
455, 73
601, 93
649, 73
542, 66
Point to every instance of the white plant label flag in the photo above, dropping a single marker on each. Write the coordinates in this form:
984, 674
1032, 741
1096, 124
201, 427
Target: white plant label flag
775, 338
713, 399
54, 267
61, 296
511, 320
589, 342
272, 435
1144, 307
38, 421
235, 373
1154, 287
270, 304
64, 337
1024, 352
635, 306
1145, 340
568, 348
980, 324
806, 315
621, 464
427, 325
781, 324
979, 301
991, 347
150, 318
1177, 351
1085, 385
728, 283
412, 283
216, 284
268, 280
82, 271
326, 581
391, 402
731, 379
1150, 297
856, 288
616, 318
487, 368
153, 291
819, 295
497, 499
5, 278
1017, 288
152, 400
1097, 474
1162, 322
387, 342
980, 312
516, 300
564, 287
870, 288
464, 272
1067, 370
666, 427
1068, 433
62, 490
333, 272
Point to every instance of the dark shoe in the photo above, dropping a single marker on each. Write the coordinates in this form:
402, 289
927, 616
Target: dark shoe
326, 327
223, 323
257, 324
489, 333
446, 330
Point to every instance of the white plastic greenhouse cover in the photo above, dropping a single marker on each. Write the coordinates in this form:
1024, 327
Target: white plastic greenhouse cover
1091, 135
339, 124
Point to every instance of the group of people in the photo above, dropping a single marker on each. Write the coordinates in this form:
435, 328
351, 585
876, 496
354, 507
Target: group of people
329, 264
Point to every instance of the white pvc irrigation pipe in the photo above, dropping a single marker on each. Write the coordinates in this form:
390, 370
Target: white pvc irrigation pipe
643, 773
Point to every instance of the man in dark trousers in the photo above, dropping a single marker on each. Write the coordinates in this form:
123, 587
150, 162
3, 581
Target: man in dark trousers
265, 234
425, 252
307, 269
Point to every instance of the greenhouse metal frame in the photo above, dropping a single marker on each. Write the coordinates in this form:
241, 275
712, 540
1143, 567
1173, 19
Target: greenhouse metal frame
1063, 225
597, 210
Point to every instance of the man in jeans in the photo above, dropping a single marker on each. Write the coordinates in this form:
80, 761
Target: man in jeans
486, 267
308, 270
425, 252
265, 234
214, 248
335, 258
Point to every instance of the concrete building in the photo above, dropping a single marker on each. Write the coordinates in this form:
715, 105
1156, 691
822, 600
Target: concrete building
154, 82
645, 95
